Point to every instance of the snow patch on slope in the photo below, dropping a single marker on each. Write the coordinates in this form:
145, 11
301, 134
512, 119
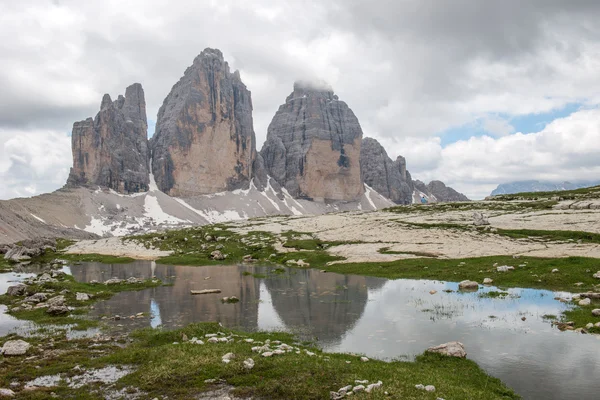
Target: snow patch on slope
38, 218
154, 211
368, 191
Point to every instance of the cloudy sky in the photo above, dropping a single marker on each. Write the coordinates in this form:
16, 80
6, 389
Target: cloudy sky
471, 92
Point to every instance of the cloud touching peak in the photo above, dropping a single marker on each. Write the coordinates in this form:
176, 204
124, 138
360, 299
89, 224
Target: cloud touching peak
411, 70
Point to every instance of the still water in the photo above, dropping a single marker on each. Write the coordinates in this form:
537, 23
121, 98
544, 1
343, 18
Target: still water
386, 319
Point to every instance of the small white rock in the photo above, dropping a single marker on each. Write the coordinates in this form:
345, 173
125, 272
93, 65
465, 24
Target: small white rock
430, 388
364, 359
420, 387
488, 281
555, 270
6, 393
358, 389
249, 363
585, 302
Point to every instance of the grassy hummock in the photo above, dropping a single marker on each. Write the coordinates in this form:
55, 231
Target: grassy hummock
530, 272
68, 287
180, 371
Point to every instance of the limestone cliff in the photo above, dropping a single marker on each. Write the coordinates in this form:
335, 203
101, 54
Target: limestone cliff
389, 178
313, 146
111, 150
204, 141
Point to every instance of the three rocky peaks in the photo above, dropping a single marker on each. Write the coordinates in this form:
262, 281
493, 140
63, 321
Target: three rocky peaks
205, 143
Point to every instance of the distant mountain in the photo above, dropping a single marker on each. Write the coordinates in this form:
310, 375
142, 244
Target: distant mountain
537, 186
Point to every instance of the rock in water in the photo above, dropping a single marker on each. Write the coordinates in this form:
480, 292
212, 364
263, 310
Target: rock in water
112, 149
313, 146
468, 285
204, 141
451, 349
388, 178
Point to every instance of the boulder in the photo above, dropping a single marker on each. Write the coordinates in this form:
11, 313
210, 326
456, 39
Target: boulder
15, 348
36, 298
596, 275
6, 393
82, 297
468, 285
56, 301
57, 310
596, 312
585, 302
480, 219
488, 281
451, 349
17, 290
217, 255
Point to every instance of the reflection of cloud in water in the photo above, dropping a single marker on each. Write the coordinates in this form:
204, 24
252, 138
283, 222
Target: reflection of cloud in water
155, 319
531, 356
268, 319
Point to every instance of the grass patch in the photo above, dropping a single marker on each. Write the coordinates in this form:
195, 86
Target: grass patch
495, 295
582, 193
193, 246
5, 266
68, 287
386, 250
578, 236
582, 315
549, 317
504, 206
179, 371
535, 273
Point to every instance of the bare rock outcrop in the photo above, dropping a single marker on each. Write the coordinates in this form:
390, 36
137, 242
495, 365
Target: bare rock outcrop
313, 146
389, 178
445, 193
437, 191
111, 150
204, 141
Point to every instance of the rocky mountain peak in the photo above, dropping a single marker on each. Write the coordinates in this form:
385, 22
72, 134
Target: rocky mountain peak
204, 141
313, 146
388, 178
111, 150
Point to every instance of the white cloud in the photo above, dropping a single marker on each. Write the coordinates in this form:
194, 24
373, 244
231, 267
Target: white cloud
33, 162
567, 149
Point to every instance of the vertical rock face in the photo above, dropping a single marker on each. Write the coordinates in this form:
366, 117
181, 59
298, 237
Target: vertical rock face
111, 150
313, 146
204, 140
387, 177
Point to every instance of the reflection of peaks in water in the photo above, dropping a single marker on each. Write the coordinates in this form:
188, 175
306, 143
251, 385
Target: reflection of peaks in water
377, 317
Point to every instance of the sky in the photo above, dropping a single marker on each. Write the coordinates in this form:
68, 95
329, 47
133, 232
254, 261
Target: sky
472, 93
